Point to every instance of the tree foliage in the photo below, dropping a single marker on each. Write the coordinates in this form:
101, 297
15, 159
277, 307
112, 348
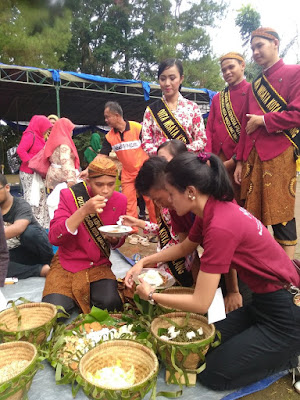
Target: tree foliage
247, 20
128, 38
115, 38
32, 33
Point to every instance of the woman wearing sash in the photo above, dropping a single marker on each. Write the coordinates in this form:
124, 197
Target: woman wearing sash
80, 273
270, 141
150, 182
257, 340
173, 116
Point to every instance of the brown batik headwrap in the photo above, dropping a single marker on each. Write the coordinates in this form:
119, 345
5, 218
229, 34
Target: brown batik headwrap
266, 33
102, 166
230, 55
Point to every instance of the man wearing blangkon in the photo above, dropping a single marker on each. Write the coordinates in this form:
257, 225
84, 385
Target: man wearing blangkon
268, 145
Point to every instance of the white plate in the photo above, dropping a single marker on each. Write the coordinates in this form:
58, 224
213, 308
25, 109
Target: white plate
115, 230
170, 282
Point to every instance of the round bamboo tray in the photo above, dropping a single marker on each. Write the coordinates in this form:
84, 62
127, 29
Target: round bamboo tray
182, 357
128, 353
30, 322
17, 386
175, 290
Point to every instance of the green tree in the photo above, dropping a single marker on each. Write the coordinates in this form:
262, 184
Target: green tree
247, 20
128, 38
32, 33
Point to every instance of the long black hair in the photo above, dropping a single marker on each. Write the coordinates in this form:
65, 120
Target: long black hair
151, 175
188, 169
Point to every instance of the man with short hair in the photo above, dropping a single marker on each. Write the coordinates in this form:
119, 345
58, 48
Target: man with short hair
124, 139
30, 251
81, 270
269, 142
3, 253
226, 111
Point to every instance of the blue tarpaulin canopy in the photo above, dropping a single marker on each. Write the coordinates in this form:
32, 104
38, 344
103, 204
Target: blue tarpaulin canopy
80, 97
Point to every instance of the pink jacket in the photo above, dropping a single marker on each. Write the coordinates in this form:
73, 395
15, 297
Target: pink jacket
32, 140
269, 140
78, 252
217, 136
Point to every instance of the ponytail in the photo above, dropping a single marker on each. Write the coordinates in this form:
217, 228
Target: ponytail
206, 172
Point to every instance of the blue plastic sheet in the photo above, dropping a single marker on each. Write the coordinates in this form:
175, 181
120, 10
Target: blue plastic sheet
255, 387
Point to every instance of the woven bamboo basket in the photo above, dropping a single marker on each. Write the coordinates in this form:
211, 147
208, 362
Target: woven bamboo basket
17, 386
182, 359
30, 322
175, 290
128, 353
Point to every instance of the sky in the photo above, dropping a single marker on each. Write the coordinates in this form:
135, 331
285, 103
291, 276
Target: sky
283, 16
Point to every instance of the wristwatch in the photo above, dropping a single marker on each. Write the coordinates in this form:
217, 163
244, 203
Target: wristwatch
150, 299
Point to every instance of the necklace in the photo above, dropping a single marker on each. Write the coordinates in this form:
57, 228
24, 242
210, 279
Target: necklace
172, 105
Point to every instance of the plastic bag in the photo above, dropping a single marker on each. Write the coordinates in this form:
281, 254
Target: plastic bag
36, 187
13, 160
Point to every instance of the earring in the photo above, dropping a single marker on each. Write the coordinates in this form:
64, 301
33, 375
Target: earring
192, 197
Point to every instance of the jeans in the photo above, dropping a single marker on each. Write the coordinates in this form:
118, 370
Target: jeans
35, 251
257, 341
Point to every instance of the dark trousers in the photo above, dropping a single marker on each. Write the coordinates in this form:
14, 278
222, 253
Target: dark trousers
104, 295
257, 341
35, 251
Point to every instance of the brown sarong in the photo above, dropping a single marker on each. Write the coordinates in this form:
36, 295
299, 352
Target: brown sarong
269, 187
75, 285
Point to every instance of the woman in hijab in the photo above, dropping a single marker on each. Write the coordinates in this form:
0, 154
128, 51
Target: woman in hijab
93, 149
62, 154
33, 140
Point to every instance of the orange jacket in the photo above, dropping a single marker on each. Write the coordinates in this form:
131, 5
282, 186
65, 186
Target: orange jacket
128, 149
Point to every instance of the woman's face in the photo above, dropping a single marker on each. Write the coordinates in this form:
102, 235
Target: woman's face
160, 197
46, 134
179, 200
170, 80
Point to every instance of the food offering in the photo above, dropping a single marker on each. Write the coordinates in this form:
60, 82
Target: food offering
159, 278
118, 369
86, 332
19, 362
115, 230
183, 339
88, 336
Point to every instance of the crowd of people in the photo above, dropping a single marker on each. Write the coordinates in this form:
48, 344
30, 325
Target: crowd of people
218, 187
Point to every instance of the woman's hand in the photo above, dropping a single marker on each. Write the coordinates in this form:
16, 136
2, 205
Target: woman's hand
128, 220
233, 301
84, 174
143, 289
71, 183
133, 272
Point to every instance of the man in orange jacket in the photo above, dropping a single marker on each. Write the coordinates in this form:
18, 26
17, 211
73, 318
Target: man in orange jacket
124, 140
